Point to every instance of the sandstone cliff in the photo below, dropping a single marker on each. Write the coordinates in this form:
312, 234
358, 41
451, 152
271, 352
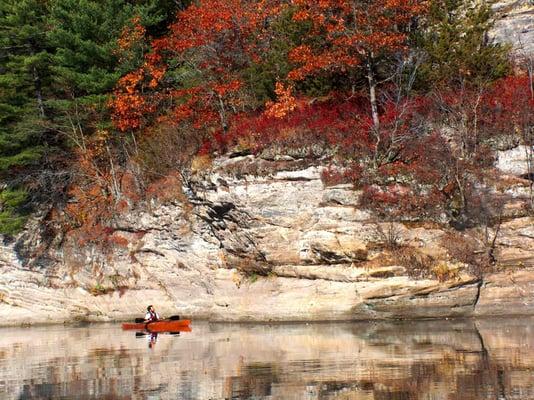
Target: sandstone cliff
515, 24
251, 245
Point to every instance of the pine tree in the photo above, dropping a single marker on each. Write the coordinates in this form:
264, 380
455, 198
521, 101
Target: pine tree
59, 62
454, 39
24, 77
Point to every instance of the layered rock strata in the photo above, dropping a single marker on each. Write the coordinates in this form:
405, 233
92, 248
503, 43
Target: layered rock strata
276, 247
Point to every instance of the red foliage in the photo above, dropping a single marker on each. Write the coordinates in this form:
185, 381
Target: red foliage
166, 189
332, 176
510, 107
334, 123
403, 201
337, 123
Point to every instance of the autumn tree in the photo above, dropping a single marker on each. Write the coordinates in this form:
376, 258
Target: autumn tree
59, 62
454, 37
195, 72
510, 113
353, 34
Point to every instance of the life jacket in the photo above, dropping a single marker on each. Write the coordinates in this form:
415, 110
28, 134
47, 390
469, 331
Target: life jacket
152, 316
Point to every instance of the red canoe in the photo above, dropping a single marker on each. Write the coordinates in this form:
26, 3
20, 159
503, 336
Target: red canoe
181, 325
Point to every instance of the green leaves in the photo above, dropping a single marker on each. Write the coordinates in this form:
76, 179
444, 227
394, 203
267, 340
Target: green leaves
457, 50
59, 62
11, 201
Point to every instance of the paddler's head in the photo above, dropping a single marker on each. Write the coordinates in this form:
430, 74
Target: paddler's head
149, 308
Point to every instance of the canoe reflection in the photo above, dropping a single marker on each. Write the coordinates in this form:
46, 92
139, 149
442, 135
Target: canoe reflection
152, 337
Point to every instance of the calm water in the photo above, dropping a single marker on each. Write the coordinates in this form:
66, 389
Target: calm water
490, 359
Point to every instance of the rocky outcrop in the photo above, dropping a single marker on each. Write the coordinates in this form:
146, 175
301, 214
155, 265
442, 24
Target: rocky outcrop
515, 25
278, 246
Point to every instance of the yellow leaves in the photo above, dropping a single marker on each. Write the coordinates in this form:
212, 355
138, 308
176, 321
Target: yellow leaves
131, 34
285, 102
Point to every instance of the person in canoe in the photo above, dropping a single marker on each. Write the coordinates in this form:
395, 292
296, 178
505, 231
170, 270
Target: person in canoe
151, 314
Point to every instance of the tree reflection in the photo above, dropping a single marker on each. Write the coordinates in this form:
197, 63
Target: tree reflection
453, 360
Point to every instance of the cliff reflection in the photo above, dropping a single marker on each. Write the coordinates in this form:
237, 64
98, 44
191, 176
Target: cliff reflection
490, 359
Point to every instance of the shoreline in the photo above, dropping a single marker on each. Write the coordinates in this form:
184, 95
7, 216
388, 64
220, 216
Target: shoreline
218, 322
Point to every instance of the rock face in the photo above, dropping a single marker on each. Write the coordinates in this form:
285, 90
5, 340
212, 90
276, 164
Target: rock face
515, 25
267, 248
514, 161
276, 245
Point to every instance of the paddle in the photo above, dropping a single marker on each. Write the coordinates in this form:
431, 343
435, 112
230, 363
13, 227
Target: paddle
171, 318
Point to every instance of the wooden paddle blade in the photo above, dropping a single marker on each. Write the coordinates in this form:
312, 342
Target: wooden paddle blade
174, 318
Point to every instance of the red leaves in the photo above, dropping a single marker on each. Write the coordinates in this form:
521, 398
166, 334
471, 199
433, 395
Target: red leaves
510, 105
222, 89
332, 176
295, 123
402, 201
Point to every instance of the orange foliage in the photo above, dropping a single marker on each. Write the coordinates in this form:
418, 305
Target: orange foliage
217, 38
353, 32
129, 105
131, 34
285, 103
98, 193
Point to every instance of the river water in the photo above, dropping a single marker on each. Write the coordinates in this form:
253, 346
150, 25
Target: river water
486, 359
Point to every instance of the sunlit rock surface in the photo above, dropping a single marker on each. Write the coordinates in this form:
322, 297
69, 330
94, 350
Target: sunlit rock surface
514, 161
515, 25
267, 248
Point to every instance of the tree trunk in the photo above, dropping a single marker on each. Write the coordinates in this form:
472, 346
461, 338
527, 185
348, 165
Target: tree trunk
38, 89
372, 92
222, 114
374, 108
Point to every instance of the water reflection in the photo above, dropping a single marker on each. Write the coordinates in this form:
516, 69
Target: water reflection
490, 359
